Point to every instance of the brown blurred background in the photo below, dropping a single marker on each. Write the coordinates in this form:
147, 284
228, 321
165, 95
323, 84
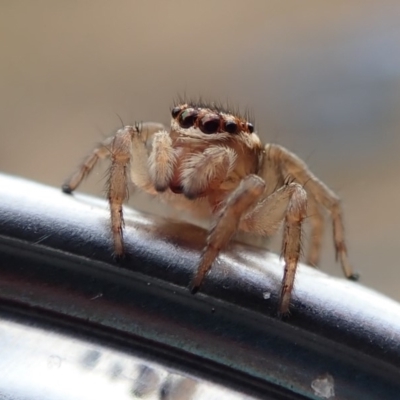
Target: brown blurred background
321, 78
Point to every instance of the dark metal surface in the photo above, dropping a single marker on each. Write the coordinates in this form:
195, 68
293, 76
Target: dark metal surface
57, 271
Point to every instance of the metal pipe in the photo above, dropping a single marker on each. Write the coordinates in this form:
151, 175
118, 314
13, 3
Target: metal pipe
57, 269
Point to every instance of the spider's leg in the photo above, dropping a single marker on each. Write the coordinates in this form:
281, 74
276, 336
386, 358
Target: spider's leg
289, 165
317, 231
226, 223
291, 245
117, 190
128, 148
144, 132
101, 151
288, 203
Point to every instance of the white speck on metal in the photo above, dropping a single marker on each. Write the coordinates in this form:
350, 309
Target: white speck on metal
324, 386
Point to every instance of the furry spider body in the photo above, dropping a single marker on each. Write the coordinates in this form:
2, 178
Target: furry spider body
212, 163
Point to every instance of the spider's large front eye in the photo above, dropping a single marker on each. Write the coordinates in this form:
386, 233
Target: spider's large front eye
231, 127
210, 123
187, 118
250, 127
175, 111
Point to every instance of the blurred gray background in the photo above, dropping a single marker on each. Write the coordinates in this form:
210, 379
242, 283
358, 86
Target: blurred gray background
321, 78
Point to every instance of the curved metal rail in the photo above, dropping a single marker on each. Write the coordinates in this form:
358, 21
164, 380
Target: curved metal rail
57, 273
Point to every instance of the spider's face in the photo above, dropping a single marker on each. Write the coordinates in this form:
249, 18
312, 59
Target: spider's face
201, 134
207, 122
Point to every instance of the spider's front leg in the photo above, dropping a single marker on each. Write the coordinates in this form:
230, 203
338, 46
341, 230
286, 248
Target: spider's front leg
105, 149
118, 148
226, 223
126, 147
291, 245
288, 203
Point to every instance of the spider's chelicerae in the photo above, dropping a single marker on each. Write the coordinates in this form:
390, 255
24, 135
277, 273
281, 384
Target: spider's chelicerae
213, 163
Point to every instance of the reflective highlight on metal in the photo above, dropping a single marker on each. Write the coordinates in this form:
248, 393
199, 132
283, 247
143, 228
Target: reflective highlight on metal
62, 294
52, 365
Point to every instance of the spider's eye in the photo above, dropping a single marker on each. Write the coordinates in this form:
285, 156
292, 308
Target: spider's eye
210, 123
175, 111
250, 127
231, 127
187, 118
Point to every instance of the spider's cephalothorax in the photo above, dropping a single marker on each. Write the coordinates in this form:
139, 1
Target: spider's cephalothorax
204, 143
212, 163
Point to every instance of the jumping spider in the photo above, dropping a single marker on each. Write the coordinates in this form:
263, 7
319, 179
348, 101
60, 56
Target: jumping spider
213, 163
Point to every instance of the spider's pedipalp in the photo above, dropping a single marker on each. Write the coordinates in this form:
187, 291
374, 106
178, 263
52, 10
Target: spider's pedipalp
162, 161
207, 169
